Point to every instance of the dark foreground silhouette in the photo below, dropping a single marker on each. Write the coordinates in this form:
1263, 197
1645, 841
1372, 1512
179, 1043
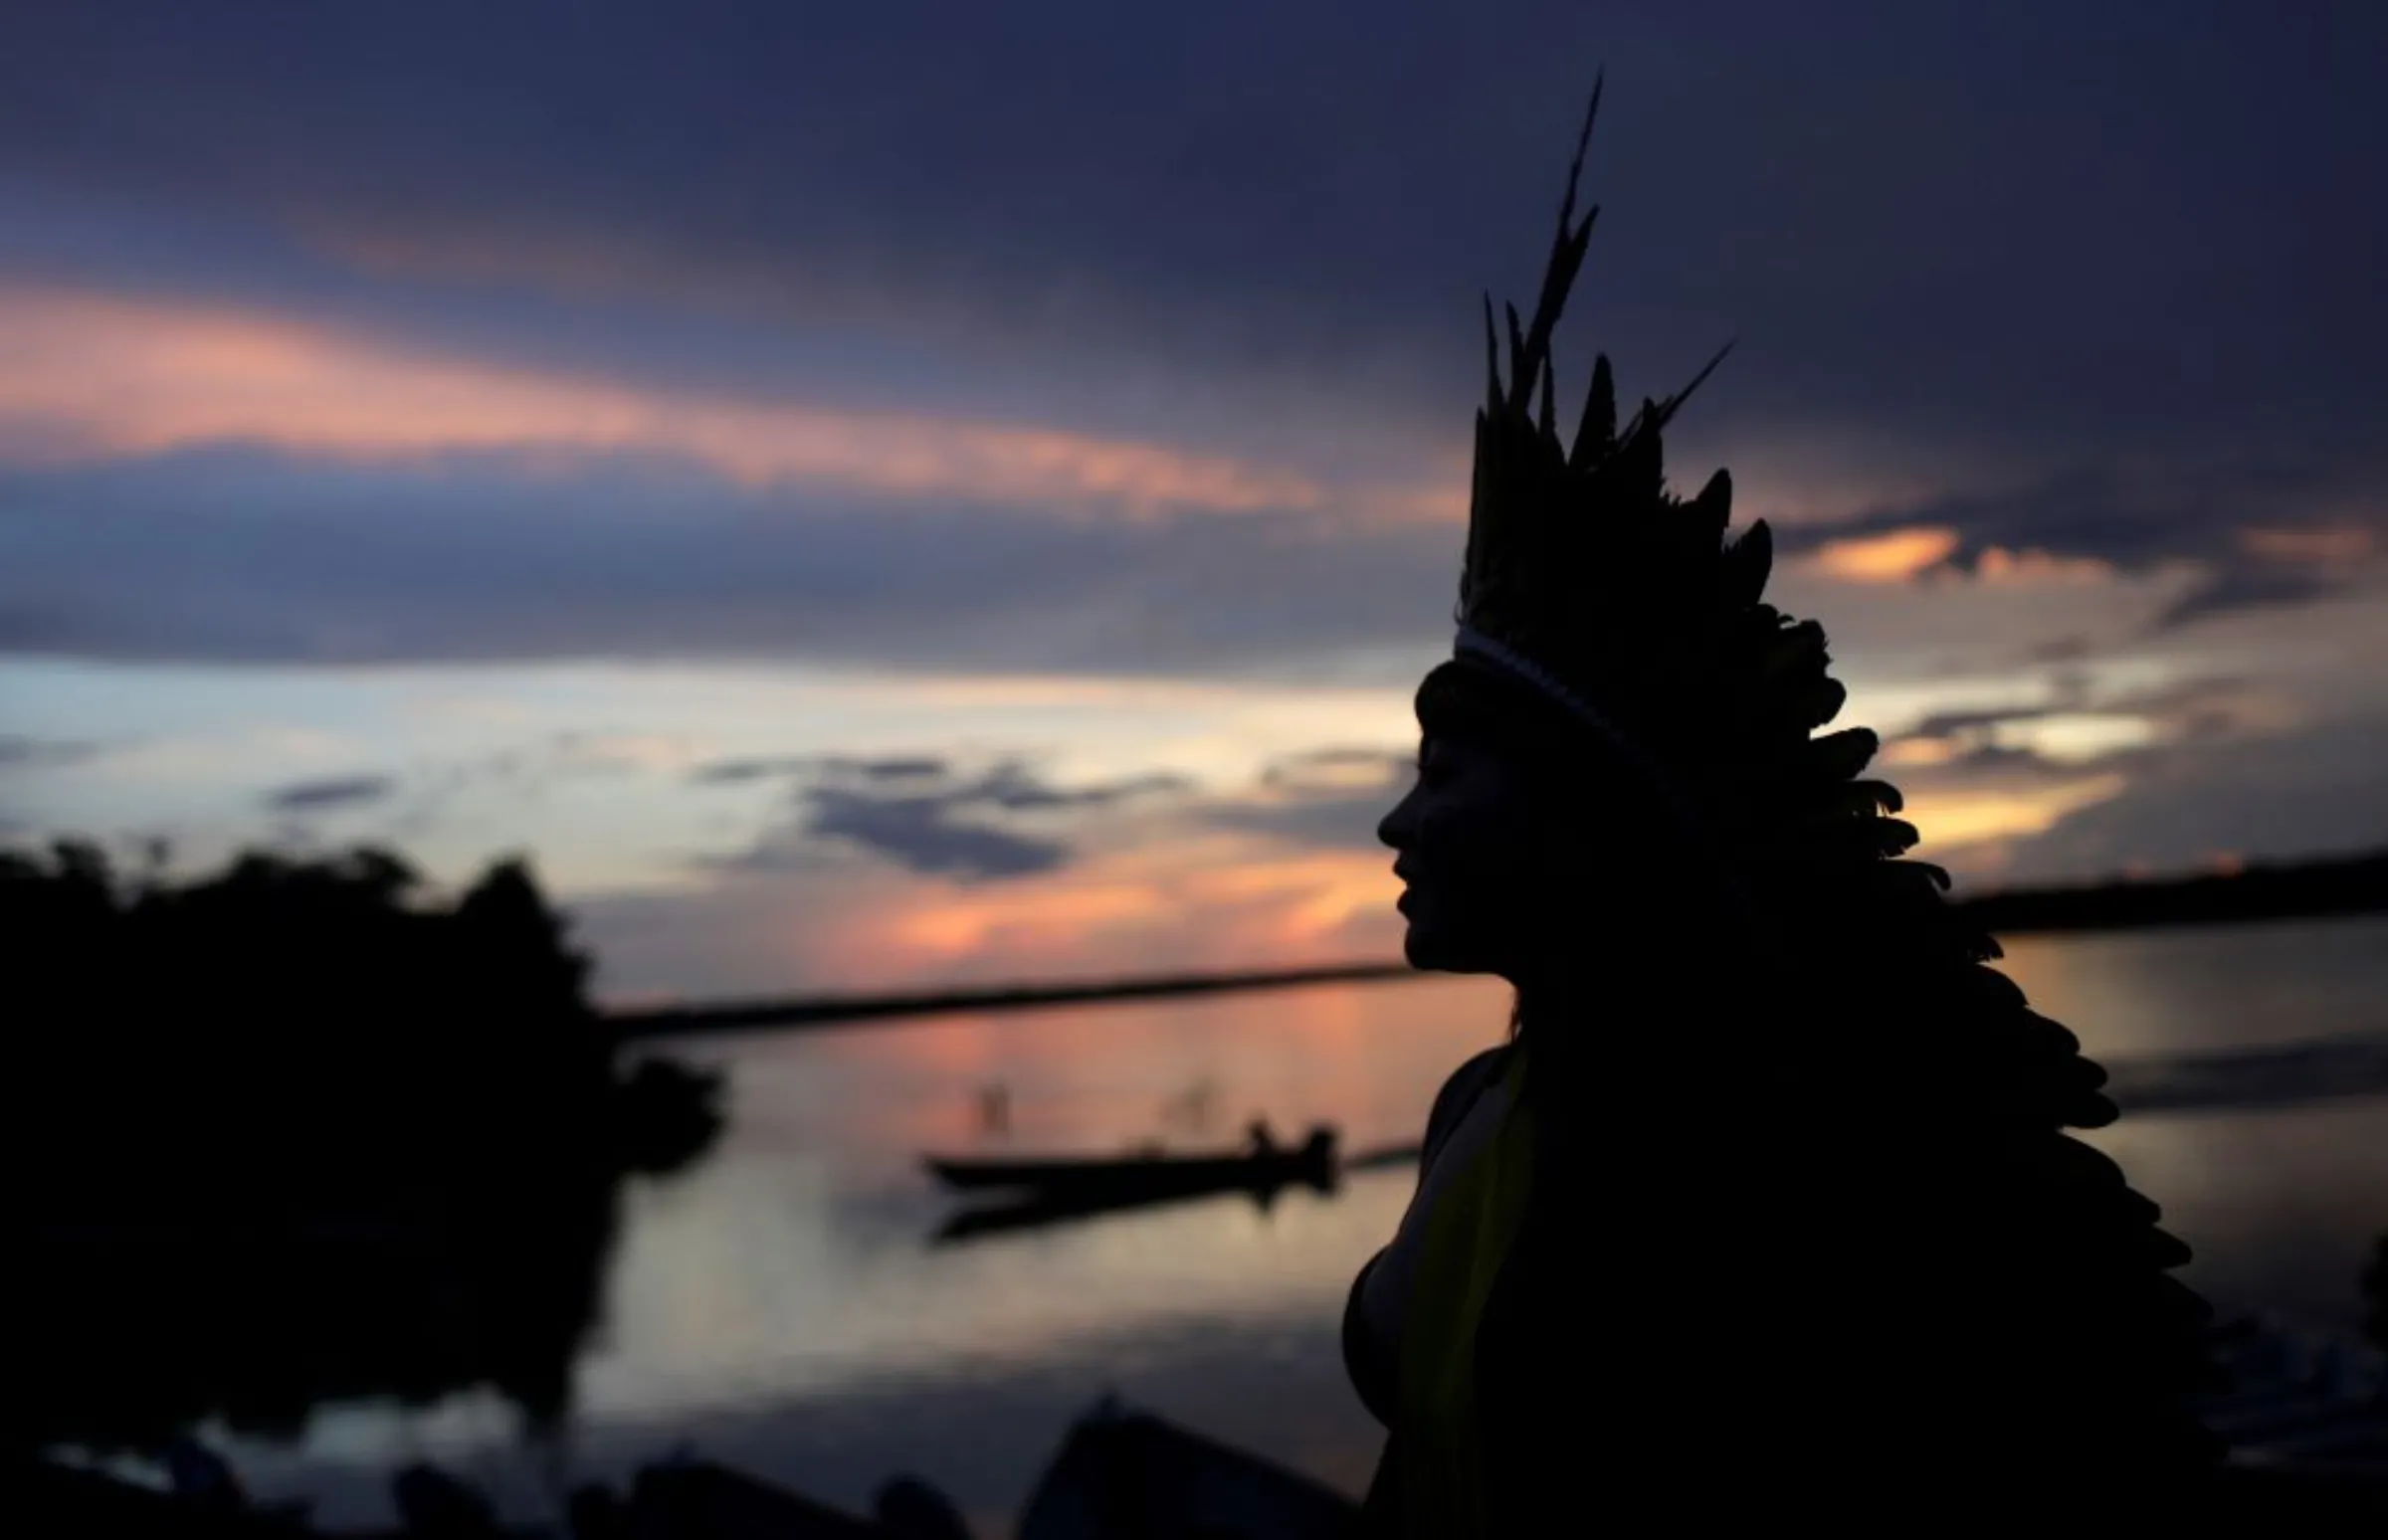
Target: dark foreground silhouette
2306, 1415
287, 1135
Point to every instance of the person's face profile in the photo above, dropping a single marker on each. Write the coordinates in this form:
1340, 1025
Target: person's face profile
1467, 851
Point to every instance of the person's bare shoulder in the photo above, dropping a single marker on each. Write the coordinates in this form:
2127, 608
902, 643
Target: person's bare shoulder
1459, 1093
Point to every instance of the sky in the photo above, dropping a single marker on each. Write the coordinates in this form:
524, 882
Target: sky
924, 492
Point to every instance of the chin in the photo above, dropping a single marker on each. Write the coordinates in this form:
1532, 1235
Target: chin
1430, 949
1430, 953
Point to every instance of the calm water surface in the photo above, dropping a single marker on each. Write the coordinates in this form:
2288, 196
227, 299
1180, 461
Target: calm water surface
781, 1308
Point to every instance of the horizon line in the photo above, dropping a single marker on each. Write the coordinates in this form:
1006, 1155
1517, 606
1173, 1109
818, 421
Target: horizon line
2257, 890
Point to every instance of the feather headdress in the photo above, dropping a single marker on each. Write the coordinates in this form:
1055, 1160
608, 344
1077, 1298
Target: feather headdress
1625, 604
1623, 615
1625, 610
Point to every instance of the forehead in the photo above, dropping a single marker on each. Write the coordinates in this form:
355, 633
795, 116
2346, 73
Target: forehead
1471, 716
1464, 707
1475, 754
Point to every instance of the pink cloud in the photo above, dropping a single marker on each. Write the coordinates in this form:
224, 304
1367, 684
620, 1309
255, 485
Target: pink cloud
87, 375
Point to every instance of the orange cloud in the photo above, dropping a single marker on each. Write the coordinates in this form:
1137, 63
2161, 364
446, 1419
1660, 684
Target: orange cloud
1898, 555
2000, 565
85, 375
2309, 545
1912, 752
1954, 819
1885, 558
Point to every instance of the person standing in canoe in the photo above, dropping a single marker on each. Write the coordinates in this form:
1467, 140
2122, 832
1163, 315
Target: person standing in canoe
1766, 1209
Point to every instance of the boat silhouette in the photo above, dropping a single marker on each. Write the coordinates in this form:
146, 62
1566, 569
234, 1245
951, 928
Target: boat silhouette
1036, 1191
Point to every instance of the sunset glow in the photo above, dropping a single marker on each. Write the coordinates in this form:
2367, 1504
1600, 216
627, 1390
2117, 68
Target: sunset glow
2317, 545
707, 712
1885, 558
85, 375
1953, 821
638, 470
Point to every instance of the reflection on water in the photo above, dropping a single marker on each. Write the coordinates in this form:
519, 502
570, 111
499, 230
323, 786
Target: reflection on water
781, 1308
2278, 1200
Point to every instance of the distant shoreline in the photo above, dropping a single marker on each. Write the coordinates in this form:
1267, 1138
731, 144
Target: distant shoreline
854, 1010
2311, 889
2314, 890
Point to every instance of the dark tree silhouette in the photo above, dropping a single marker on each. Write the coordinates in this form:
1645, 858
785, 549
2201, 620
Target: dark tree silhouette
292, 1133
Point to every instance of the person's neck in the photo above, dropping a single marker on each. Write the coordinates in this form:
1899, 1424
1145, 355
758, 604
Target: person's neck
1577, 981
1540, 996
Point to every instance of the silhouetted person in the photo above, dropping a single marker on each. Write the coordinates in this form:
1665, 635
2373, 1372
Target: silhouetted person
1764, 1213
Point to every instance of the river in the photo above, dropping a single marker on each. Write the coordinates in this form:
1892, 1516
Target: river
783, 1307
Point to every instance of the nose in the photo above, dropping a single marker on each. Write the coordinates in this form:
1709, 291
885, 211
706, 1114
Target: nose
1399, 826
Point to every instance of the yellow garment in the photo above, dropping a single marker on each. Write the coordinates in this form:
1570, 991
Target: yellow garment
1467, 1234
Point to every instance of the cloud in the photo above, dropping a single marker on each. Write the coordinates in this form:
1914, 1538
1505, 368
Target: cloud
812, 316
734, 772
2248, 587
2189, 705
2088, 781
1336, 768
242, 555
909, 869
901, 767
2256, 534
18, 752
2077, 730
936, 817
1888, 557
1927, 760
90, 376
1012, 786
2019, 789
948, 827
332, 792
1172, 901
1330, 798
1308, 200
923, 834
2279, 795
2316, 544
